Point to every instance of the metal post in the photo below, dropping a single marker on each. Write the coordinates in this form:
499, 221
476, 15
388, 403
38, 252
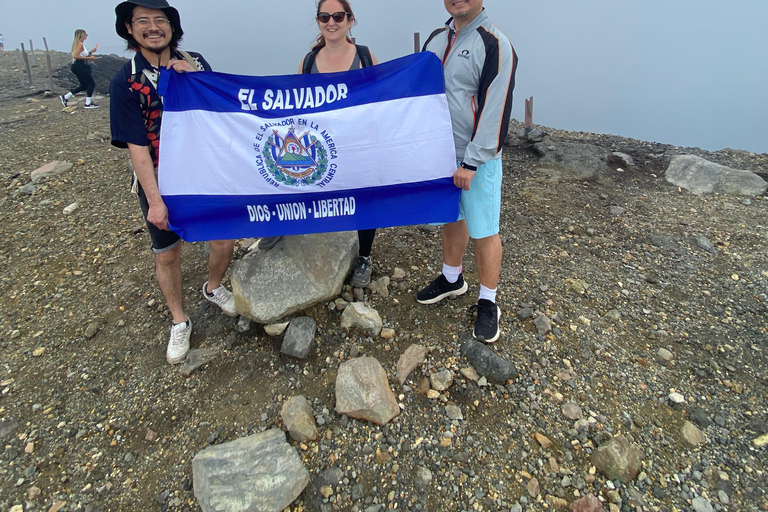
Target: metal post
32, 52
48, 64
416, 42
26, 64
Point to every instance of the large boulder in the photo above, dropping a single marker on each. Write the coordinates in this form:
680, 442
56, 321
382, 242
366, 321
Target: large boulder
584, 161
299, 272
701, 177
260, 472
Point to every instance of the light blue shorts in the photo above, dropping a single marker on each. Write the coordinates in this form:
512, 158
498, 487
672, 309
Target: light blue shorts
480, 206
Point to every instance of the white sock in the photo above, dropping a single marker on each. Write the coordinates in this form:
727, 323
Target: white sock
87, 101
68, 95
488, 294
451, 273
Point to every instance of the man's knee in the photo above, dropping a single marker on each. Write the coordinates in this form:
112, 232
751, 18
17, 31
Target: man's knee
169, 258
222, 246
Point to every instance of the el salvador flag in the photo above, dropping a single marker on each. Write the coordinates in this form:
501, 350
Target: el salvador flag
260, 156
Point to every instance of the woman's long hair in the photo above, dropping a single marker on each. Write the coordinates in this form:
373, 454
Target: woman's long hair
79, 33
320, 42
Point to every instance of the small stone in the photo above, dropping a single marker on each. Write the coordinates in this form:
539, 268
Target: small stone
588, 503
71, 208
692, 435
33, 493
92, 329
676, 398
433, 395
276, 329
198, 358
29, 448
453, 412
533, 487
38, 352
243, 324
423, 477
470, 373
543, 441
665, 354
57, 506
441, 380
387, 333
702, 504
150, 436
398, 274
572, 411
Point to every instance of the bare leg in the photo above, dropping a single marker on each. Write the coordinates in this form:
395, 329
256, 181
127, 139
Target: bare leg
218, 261
168, 272
488, 259
455, 240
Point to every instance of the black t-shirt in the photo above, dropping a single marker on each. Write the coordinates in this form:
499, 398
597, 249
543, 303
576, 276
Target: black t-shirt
136, 109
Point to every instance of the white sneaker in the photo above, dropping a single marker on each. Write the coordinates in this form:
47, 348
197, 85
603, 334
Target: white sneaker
178, 345
222, 298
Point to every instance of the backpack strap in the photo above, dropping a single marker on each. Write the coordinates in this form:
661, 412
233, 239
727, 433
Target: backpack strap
191, 60
365, 55
366, 60
309, 61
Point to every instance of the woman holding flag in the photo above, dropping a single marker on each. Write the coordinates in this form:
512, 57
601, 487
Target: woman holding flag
333, 52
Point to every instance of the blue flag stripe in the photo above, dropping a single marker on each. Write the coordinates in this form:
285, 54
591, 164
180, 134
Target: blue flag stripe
198, 218
278, 96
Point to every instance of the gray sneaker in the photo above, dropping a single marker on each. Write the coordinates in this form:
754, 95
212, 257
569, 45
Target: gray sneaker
361, 275
222, 298
178, 344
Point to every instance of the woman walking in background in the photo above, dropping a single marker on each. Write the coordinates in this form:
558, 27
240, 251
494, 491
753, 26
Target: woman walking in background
81, 67
334, 51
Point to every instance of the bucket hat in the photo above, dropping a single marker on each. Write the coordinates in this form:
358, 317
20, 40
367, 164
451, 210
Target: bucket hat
124, 11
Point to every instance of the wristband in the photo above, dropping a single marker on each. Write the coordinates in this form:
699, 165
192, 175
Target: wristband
468, 167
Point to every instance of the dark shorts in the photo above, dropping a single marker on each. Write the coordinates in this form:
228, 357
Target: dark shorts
161, 240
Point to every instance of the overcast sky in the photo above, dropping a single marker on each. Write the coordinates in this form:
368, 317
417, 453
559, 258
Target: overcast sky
683, 72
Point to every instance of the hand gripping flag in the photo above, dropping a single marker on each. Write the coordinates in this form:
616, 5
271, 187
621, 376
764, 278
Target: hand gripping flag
261, 156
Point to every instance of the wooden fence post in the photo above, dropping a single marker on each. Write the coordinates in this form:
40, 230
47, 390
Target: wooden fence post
26, 64
416, 42
32, 52
21, 66
48, 64
528, 115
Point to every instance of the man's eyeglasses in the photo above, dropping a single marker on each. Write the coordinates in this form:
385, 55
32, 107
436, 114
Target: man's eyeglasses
338, 17
146, 22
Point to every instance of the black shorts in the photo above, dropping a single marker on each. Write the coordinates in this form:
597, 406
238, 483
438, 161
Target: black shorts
161, 240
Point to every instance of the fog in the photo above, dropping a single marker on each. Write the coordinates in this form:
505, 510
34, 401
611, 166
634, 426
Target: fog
688, 73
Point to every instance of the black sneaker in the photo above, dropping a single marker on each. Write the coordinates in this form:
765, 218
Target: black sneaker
63, 101
361, 275
487, 323
440, 288
91, 105
268, 242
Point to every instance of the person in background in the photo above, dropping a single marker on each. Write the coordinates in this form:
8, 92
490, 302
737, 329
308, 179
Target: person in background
2, 43
152, 29
479, 66
81, 67
332, 52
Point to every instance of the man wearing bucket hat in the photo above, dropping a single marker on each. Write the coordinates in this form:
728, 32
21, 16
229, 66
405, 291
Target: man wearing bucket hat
152, 29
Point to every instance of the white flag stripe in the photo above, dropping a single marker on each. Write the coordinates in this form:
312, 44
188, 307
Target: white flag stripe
403, 131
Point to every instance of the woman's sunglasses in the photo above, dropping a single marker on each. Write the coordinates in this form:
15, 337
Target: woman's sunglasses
338, 17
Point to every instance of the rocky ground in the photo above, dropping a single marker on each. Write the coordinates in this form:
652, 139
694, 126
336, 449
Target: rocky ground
91, 414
